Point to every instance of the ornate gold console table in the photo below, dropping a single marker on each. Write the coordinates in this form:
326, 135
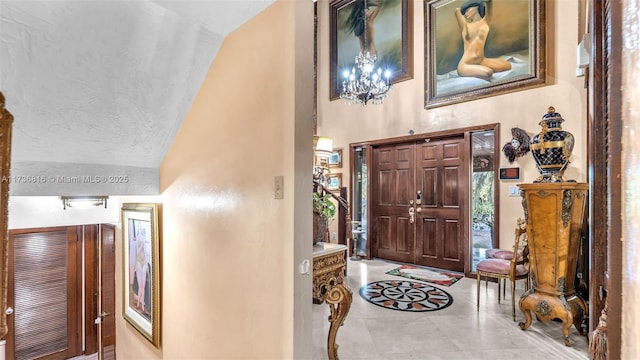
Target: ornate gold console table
554, 213
328, 285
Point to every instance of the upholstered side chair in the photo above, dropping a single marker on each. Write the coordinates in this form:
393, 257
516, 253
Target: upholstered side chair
500, 254
517, 268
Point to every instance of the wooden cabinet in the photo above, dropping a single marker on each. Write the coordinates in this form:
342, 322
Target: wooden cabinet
554, 213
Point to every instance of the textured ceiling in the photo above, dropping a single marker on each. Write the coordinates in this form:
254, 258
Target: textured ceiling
103, 86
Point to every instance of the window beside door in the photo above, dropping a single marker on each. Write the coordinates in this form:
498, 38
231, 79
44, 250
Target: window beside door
482, 194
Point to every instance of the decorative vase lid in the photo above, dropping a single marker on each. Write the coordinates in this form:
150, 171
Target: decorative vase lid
552, 147
551, 119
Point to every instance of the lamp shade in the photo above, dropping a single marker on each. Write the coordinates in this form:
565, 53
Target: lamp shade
324, 146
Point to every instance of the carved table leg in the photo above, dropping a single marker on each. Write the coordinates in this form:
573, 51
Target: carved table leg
339, 300
527, 316
567, 321
580, 311
548, 307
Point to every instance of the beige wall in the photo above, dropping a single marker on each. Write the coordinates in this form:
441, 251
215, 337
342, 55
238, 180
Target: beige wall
404, 108
227, 246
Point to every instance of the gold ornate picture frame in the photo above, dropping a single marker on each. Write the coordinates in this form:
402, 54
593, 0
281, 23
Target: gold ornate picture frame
335, 159
334, 182
513, 51
141, 268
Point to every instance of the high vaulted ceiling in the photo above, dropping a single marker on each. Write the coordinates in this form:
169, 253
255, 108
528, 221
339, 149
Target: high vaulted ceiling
99, 88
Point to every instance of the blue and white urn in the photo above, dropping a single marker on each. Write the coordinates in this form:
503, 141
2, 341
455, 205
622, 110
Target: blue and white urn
552, 148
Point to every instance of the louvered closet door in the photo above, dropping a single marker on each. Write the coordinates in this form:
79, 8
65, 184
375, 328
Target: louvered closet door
45, 318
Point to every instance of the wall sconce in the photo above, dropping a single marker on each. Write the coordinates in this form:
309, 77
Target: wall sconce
83, 202
322, 149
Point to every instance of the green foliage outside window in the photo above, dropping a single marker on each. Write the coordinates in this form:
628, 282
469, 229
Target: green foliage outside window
483, 199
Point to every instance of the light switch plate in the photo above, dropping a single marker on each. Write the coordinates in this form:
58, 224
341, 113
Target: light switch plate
278, 187
514, 191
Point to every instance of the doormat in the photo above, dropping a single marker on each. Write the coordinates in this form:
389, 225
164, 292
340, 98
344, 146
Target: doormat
422, 273
405, 295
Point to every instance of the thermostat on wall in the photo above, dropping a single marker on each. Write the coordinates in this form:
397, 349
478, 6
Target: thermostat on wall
510, 173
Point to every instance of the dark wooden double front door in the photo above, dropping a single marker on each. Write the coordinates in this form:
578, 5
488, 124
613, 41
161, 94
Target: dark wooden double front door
419, 192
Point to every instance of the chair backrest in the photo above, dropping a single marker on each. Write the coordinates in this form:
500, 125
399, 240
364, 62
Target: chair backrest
520, 247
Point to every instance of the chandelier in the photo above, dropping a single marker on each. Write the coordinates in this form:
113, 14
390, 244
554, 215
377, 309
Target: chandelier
366, 83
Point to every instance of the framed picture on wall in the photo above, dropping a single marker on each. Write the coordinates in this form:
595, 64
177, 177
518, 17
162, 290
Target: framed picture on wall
334, 182
141, 268
389, 33
476, 49
335, 159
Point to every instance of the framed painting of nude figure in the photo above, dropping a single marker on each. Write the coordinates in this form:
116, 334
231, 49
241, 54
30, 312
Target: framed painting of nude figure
141, 268
387, 33
480, 48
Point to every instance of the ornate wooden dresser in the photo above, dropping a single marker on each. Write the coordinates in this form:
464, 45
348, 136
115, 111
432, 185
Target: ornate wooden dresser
554, 213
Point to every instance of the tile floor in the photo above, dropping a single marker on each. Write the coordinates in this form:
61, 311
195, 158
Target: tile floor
456, 332
109, 354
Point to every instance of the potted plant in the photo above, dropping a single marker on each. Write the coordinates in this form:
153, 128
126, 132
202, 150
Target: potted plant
323, 212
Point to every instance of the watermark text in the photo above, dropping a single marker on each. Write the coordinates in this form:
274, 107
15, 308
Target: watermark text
62, 179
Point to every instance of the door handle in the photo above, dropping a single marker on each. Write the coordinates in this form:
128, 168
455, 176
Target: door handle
9, 310
412, 218
98, 320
